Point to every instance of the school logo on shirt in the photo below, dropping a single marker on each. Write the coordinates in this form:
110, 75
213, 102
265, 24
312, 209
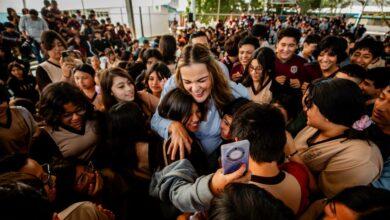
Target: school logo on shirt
294, 69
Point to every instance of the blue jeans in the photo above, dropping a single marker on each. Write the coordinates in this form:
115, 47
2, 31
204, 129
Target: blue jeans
36, 49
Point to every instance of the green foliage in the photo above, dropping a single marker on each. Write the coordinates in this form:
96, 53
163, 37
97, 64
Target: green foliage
226, 7
306, 5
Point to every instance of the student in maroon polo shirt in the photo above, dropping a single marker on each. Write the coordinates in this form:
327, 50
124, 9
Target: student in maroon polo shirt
246, 47
289, 67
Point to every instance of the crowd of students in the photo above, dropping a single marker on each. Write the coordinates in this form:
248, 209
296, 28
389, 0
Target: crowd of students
111, 128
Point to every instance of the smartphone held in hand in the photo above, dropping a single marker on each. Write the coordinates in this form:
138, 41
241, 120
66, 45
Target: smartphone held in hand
233, 155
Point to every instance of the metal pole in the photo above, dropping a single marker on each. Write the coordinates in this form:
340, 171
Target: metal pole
82, 5
193, 9
121, 15
24, 4
140, 18
130, 16
319, 10
360, 16
249, 4
150, 23
219, 8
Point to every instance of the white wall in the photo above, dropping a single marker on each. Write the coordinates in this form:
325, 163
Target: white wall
154, 18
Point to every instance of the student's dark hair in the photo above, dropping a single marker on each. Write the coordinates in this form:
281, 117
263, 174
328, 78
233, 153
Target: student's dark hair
125, 55
264, 127
369, 43
290, 102
10, 10
260, 31
312, 39
162, 71
231, 45
4, 94
86, 68
340, 100
350, 36
25, 103
65, 172
48, 37
364, 200
25, 178
33, 12
9, 25
13, 162
248, 201
353, 70
122, 137
198, 34
266, 59
290, 32
149, 53
135, 69
232, 107
55, 96
122, 64
177, 105
335, 46
242, 34
22, 196
249, 40
380, 76
141, 53
167, 46
106, 81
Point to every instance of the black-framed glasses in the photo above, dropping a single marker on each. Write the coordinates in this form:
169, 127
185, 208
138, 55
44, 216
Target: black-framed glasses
84, 178
80, 112
258, 69
47, 177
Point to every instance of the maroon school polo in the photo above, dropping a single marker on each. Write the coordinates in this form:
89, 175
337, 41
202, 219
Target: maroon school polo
292, 69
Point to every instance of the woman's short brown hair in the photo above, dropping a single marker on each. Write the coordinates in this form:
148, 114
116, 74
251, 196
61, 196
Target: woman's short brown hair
48, 37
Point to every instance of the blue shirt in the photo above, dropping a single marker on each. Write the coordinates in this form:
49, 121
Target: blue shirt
209, 130
384, 180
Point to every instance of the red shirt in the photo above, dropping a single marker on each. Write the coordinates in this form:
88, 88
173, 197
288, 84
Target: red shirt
237, 67
301, 174
313, 71
292, 69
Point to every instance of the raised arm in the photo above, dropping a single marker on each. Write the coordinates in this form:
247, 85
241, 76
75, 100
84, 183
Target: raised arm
180, 184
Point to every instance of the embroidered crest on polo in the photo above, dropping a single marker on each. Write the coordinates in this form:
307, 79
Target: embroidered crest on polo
294, 69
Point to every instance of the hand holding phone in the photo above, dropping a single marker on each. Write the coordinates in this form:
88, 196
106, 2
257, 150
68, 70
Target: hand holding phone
233, 155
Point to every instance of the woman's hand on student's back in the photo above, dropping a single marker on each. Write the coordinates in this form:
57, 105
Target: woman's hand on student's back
180, 140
